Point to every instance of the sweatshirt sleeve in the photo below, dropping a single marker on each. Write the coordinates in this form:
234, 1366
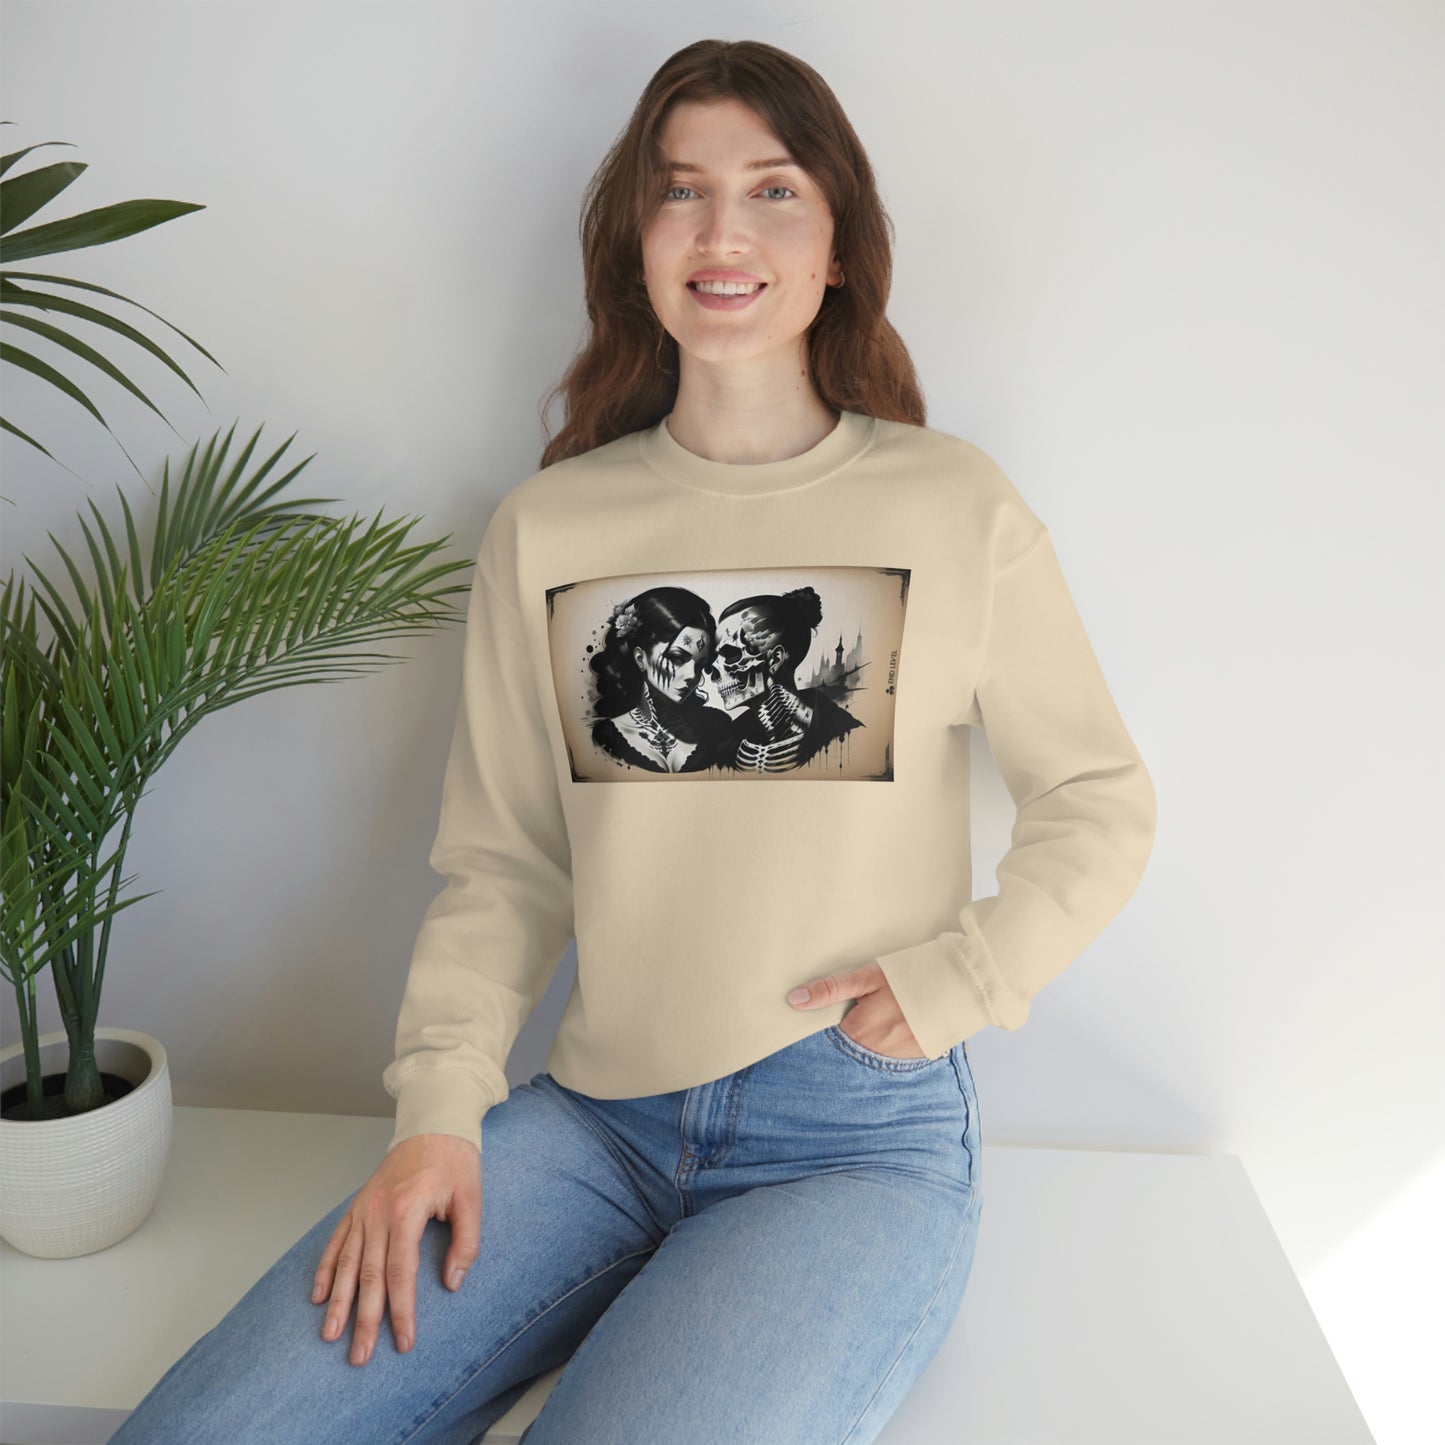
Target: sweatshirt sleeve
490, 941
1084, 826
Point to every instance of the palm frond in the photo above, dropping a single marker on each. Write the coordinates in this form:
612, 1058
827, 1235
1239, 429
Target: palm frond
249, 595
21, 197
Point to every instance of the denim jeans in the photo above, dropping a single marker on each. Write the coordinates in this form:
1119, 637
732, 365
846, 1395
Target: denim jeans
771, 1257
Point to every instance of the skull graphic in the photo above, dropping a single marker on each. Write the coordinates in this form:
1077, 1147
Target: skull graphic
740, 660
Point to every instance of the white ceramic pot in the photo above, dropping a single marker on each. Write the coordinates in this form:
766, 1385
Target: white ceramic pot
75, 1185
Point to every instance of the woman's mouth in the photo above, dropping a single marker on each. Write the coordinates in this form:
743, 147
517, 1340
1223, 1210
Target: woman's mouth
715, 302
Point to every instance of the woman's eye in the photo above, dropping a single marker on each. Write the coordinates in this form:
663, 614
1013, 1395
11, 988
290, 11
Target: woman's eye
667, 195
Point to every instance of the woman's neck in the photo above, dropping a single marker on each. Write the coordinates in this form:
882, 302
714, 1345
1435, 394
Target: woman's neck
751, 435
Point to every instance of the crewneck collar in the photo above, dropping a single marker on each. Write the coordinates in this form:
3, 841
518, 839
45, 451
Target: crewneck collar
848, 440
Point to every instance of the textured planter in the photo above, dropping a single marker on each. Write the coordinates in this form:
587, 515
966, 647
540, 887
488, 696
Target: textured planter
75, 1185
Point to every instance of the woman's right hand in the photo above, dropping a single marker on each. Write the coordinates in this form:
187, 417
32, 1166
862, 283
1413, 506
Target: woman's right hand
378, 1239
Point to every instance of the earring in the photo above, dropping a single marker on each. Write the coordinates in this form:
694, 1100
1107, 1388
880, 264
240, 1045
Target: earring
842, 277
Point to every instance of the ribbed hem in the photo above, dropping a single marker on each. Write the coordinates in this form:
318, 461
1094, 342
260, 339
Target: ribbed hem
848, 440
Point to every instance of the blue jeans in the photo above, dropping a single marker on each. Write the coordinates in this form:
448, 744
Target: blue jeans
772, 1257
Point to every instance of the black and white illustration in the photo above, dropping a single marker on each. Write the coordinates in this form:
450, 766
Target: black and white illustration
766, 673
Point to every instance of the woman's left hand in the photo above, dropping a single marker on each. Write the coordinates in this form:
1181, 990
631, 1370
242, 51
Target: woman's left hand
878, 1022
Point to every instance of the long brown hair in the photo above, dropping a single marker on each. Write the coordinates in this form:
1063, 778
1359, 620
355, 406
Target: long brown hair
625, 376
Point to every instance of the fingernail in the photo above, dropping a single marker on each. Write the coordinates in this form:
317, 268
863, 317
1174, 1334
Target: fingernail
798, 995
404, 1343
454, 1279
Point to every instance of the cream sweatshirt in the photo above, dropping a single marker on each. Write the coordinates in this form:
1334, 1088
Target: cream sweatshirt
714, 724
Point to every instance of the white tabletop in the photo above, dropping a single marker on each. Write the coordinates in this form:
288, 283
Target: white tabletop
1115, 1299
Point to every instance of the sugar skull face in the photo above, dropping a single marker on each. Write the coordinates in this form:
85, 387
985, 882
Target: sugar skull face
741, 658
676, 668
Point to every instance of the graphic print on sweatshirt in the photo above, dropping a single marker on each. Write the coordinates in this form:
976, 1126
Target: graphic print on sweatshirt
718, 675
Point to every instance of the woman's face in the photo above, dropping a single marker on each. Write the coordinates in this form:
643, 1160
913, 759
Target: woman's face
771, 223
678, 667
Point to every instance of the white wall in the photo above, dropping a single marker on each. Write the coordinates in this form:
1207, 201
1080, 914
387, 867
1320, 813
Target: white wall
1176, 266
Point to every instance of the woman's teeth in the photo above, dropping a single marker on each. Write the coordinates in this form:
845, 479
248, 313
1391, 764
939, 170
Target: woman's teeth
726, 288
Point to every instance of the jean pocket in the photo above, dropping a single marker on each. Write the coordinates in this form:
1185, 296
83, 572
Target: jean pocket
874, 1060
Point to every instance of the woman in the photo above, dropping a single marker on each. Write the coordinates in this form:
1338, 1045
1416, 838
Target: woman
742, 1201
650, 707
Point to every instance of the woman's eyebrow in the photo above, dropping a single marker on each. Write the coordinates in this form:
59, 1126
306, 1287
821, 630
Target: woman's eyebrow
751, 165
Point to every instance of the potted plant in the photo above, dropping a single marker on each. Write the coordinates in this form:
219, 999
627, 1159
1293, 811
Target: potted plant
238, 594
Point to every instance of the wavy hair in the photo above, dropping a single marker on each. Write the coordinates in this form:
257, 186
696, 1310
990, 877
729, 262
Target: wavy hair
656, 615
625, 376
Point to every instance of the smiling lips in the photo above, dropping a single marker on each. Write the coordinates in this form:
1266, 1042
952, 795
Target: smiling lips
726, 301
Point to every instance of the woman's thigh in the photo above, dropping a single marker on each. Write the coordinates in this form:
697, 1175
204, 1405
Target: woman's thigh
824, 1262
562, 1233
786, 1315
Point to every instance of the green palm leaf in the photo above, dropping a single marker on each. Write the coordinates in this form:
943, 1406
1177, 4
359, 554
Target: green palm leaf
241, 595
21, 197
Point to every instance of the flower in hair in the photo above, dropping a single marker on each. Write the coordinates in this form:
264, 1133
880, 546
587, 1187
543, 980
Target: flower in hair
624, 620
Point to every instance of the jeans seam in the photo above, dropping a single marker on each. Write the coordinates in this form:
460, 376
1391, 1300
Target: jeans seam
580, 1113
512, 1339
913, 1334
684, 1154
734, 1110
597, 1132
970, 1105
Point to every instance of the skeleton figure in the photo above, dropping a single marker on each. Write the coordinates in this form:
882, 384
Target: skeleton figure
779, 728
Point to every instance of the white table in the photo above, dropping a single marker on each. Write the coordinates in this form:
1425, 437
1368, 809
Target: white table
1116, 1298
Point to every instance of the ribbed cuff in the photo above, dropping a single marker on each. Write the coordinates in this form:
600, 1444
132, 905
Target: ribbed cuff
937, 996
440, 1101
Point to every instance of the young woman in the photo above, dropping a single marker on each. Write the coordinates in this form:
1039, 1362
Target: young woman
723, 653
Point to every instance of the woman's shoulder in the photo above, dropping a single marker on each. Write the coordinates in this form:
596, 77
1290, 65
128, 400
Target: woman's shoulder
961, 479
567, 477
